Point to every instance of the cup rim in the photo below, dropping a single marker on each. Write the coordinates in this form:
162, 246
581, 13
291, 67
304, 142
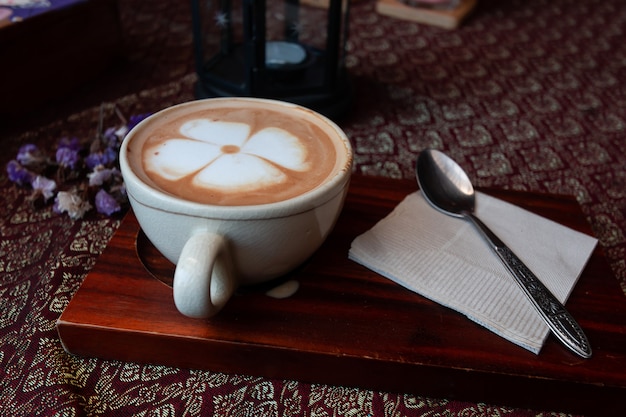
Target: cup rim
147, 195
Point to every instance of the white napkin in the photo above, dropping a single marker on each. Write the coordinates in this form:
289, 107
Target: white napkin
445, 259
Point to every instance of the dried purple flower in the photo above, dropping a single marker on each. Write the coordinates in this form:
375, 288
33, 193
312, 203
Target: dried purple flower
106, 157
46, 187
67, 157
106, 204
71, 143
18, 174
29, 155
134, 120
102, 175
70, 203
111, 137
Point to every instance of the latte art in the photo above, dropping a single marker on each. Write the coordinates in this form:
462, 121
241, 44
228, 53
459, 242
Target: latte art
224, 156
238, 157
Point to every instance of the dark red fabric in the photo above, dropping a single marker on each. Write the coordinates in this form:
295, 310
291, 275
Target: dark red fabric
525, 95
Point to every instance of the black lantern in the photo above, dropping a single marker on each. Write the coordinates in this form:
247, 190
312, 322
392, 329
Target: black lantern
289, 50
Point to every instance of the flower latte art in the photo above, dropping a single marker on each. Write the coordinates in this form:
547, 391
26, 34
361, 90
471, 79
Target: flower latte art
213, 148
237, 156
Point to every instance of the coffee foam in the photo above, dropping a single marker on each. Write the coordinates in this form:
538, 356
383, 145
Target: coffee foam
235, 156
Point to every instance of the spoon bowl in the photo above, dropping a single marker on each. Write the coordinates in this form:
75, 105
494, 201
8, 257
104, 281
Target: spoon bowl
444, 184
446, 187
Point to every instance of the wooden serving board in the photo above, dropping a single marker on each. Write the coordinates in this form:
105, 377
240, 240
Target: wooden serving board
347, 325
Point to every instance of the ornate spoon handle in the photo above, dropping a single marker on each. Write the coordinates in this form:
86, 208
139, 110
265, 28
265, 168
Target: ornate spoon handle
558, 319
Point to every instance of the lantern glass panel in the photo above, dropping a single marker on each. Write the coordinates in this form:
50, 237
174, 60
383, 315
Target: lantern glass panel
218, 36
285, 49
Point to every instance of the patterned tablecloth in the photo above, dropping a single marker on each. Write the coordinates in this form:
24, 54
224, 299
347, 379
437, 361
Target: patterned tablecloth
527, 95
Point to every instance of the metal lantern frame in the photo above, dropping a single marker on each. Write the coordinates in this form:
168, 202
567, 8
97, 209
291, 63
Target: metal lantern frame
239, 51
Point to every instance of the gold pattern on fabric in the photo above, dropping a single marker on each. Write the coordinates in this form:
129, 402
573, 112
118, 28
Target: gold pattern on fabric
339, 401
527, 95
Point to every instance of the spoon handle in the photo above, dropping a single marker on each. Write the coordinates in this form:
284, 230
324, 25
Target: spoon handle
558, 319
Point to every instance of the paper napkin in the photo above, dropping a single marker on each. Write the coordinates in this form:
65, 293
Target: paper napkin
444, 259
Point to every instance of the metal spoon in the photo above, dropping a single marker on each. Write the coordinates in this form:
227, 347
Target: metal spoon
447, 188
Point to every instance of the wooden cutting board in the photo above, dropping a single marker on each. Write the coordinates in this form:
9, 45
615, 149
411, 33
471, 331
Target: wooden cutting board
347, 325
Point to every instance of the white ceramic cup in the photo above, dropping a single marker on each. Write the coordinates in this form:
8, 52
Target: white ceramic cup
217, 248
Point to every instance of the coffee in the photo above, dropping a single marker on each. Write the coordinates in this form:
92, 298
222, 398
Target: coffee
233, 155
271, 178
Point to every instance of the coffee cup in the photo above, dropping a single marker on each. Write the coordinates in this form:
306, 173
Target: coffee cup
234, 191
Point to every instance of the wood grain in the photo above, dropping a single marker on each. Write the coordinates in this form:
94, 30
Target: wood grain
347, 325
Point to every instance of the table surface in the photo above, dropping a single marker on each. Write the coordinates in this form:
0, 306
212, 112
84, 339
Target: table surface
526, 96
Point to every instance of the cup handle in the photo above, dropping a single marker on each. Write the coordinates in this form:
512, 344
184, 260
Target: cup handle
204, 280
